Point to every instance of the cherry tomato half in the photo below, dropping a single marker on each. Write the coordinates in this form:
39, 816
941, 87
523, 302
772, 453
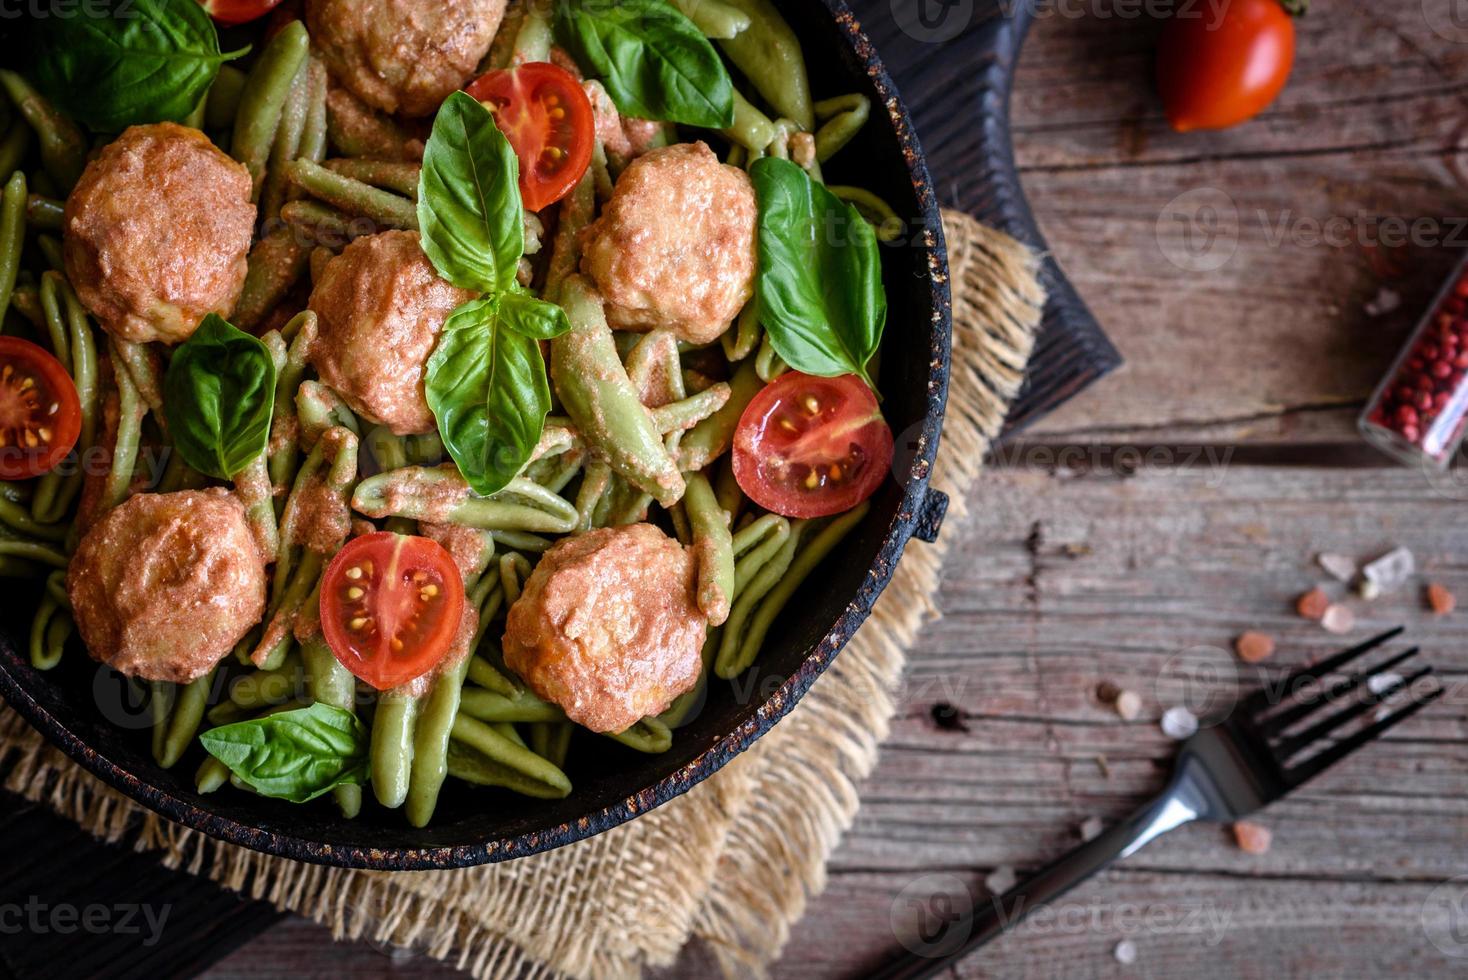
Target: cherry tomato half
809, 447
40, 414
237, 11
1217, 70
547, 118
390, 607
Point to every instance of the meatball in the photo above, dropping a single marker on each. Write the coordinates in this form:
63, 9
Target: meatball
157, 232
675, 246
608, 626
403, 56
166, 584
380, 306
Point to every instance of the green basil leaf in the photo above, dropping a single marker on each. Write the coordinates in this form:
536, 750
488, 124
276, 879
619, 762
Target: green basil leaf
218, 395
487, 388
819, 283
469, 212
531, 317
111, 64
654, 62
293, 755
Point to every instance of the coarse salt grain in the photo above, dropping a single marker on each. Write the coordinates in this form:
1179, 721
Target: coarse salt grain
1342, 568
1252, 647
1179, 723
1380, 683
1128, 705
1312, 604
1000, 880
1440, 599
1125, 952
1091, 828
1251, 837
1391, 570
1338, 619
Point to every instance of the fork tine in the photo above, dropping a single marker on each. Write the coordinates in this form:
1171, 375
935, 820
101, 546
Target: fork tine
1315, 765
1291, 745
1277, 723
1259, 701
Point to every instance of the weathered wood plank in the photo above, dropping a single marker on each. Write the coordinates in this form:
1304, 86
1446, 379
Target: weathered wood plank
1273, 343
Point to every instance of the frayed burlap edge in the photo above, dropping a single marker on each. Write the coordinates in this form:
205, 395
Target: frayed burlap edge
734, 861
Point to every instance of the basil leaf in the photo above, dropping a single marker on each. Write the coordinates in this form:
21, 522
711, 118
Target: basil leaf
293, 755
218, 395
487, 388
118, 63
819, 284
531, 317
469, 212
654, 62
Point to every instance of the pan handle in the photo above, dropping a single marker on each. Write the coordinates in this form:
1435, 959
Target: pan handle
930, 514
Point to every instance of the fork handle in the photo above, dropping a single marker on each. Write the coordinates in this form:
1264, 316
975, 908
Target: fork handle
1003, 912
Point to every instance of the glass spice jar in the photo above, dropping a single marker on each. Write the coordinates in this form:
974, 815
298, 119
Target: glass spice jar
1419, 411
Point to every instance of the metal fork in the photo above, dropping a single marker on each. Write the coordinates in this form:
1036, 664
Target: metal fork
1228, 770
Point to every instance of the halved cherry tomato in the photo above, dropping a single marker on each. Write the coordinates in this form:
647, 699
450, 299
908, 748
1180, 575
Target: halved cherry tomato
40, 414
390, 607
237, 11
547, 118
1218, 69
809, 447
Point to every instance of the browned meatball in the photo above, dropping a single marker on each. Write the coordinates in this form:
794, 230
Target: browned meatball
675, 246
166, 584
380, 306
608, 626
403, 56
157, 231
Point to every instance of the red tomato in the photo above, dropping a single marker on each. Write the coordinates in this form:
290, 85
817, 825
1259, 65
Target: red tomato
547, 118
237, 11
809, 447
40, 414
1216, 70
390, 607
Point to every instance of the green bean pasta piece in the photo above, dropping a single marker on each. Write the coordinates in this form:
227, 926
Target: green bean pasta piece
711, 438
533, 39
252, 486
26, 300
727, 490
551, 741
55, 491
352, 196
226, 712
63, 146
441, 495
844, 118
577, 210
391, 752
686, 413
752, 556
602, 401
275, 641
729, 661
318, 408
13, 147
877, 212
356, 130
767, 363
160, 703
263, 100
399, 176
680, 712
805, 561
769, 55
713, 547
331, 683
50, 247
12, 235
740, 342
594, 486
473, 766
650, 735
44, 213
50, 629
223, 101
313, 135
195, 118
143, 368
489, 677
431, 743
211, 775
283, 426
56, 589
514, 570
53, 284
752, 129
387, 449
491, 706
715, 18
19, 519
183, 723
287, 143
276, 263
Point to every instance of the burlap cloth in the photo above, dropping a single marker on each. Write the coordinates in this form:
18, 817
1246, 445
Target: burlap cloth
734, 861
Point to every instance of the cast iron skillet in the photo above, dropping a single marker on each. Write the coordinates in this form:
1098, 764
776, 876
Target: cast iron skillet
86, 711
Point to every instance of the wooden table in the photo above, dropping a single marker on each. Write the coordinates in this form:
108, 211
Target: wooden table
1195, 489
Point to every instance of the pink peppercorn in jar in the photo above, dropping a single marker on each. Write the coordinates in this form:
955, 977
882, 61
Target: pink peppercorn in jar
1418, 413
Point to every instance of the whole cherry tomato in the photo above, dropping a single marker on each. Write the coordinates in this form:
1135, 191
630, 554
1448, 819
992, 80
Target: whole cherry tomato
1217, 67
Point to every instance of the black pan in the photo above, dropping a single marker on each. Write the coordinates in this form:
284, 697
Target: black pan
84, 709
